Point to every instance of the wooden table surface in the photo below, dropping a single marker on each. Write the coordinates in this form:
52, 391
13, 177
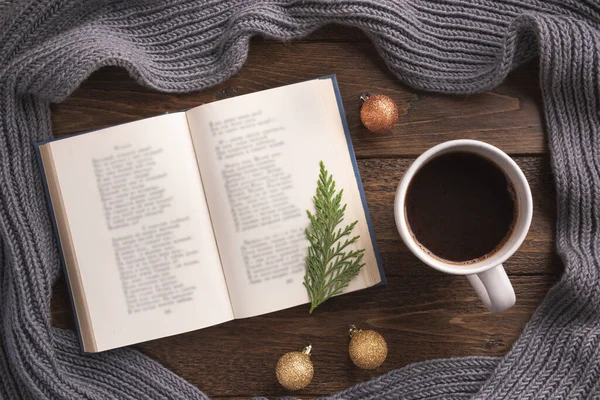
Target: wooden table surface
423, 314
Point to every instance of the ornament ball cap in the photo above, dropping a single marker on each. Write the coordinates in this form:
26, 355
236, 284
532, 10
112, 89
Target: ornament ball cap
307, 349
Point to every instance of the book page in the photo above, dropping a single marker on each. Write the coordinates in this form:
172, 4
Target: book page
259, 159
140, 230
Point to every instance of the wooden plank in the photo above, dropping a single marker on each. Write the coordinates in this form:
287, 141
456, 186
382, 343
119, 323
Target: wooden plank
422, 313
508, 116
421, 317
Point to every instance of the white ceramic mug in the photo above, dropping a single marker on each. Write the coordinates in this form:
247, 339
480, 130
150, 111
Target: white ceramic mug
487, 276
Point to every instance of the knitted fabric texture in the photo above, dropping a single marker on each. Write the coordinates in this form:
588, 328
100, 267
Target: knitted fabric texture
48, 47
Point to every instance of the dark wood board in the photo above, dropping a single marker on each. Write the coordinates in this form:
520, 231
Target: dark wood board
508, 116
422, 313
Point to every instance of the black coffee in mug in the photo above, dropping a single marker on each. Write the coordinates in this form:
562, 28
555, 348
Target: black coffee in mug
460, 207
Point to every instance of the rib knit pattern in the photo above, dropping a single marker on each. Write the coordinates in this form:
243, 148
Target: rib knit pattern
48, 47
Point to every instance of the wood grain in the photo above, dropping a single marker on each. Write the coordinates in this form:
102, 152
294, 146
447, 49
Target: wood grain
421, 317
423, 314
507, 117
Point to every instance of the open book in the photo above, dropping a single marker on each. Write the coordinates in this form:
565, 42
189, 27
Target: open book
187, 220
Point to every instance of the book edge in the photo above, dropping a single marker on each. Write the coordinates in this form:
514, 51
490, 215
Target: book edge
55, 228
37, 145
361, 190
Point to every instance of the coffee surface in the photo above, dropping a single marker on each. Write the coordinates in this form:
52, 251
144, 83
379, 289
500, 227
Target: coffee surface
460, 207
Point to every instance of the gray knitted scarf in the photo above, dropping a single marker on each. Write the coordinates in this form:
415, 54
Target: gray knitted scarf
47, 47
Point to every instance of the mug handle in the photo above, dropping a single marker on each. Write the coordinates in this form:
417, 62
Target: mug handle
494, 289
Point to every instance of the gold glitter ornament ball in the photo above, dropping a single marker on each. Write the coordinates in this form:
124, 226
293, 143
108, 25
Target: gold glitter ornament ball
294, 370
367, 349
378, 113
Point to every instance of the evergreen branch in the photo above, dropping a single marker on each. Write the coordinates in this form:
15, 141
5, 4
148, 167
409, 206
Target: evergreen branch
330, 266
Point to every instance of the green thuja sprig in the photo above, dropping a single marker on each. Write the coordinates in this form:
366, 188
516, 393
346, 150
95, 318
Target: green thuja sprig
330, 265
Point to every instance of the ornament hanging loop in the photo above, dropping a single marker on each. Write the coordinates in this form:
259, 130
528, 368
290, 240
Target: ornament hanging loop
307, 350
364, 96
